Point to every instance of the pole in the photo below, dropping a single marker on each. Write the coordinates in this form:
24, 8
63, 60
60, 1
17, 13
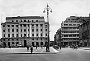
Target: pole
47, 10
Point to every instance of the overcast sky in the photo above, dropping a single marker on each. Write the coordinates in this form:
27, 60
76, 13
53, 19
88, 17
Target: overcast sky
61, 10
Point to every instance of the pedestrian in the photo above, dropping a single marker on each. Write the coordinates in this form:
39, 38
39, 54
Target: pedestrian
27, 48
36, 46
31, 49
60, 47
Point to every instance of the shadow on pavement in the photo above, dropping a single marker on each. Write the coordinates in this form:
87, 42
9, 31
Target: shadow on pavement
33, 53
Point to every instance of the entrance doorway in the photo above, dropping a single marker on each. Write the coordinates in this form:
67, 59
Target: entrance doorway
25, 43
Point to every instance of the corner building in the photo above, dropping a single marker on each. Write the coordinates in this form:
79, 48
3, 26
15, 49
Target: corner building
26, 30
70, 30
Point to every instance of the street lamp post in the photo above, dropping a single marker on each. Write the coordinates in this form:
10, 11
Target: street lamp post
47, 10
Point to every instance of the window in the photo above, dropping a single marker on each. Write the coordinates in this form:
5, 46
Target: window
24, 20
17, 42
12, 21
36, 20
65, 35
24, 35
4, 35
28, 20
21, 35
17, 35
70, 24
74, 24
21, 30
28, 29
65, 24
41, 38
8, 25
41, 29
28, 25
8, 35
12, 30
45, 26
12, 25
12, 35
46, 34
12, 42
37, 30
3, 30
32, 30
24, 25
3, 25
45, 29
41, 34
16, 30
32, 25
36, 25
32, 38
21, 20
8, 30
21, 25
36, 34
24, 30
16, 25
28, 35
32, 34
32, 21
16, 20
41, 25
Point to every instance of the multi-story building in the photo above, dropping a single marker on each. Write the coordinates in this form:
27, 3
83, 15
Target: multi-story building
84, 32
24, 30
70, 30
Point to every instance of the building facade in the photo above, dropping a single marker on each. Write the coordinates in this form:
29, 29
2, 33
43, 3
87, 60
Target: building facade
84, 32
70, 31
25, 30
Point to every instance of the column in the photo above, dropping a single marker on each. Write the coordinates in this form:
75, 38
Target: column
19, 30
27, 30
30, 30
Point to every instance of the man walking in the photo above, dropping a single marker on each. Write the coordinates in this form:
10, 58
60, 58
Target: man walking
31, 49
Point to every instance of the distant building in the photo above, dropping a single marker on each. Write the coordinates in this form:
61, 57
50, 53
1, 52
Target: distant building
70, 30
84, 32
57, 37
26, 30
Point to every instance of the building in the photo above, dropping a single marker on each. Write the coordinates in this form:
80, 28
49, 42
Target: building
70, 30
57, 37
84, 32
24, 30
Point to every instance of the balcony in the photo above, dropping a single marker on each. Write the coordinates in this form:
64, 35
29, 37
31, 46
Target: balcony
70, 30
70, 33
70, 37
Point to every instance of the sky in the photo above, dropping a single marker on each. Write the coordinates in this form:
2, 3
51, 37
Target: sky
61, 9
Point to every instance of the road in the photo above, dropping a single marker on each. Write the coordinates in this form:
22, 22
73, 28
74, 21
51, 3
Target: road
66, 54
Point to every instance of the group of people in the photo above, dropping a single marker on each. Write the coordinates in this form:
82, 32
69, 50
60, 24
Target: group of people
31, 48
74, 46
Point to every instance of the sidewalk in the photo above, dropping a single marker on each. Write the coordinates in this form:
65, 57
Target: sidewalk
39, 50
84, 48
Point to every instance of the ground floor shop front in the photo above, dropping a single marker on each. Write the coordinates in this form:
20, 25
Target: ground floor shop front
14, 42
65, 44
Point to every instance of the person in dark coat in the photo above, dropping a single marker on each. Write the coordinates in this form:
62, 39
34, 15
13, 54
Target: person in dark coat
31, 49
27, 48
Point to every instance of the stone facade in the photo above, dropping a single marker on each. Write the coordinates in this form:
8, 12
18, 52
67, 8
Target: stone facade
26, 30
